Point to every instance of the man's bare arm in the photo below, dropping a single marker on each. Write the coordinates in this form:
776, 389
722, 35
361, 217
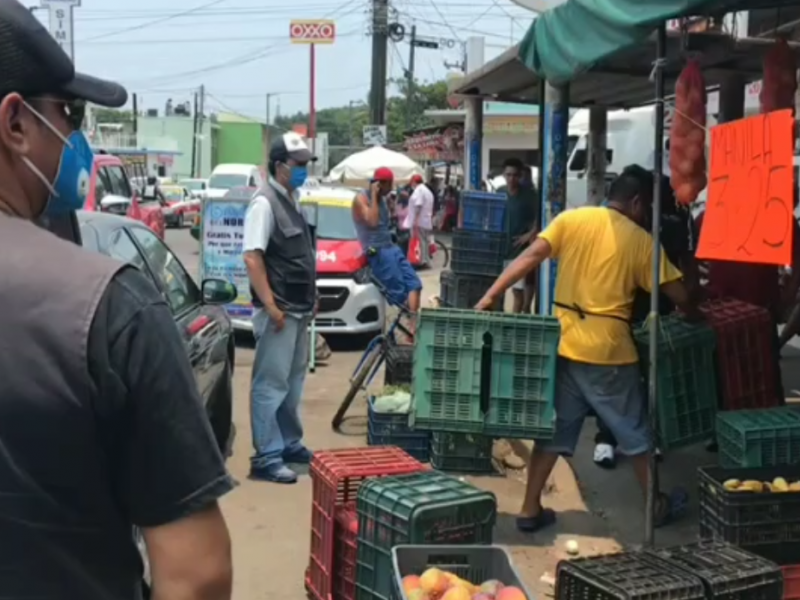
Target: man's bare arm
257, 273
366, 213
533, 256
679, 293
190, 559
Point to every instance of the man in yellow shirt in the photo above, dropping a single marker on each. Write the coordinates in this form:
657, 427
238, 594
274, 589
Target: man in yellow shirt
603, 256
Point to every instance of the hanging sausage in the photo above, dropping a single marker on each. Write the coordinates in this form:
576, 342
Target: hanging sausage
687, 137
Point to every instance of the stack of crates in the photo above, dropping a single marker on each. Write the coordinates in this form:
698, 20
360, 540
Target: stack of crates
392, 429
759, 438
687, 385
399, 363
336, 476
700, 571
485, 373
480, 246
745, 354
424, 508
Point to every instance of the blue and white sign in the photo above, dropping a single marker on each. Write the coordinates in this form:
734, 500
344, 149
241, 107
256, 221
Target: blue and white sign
221, 254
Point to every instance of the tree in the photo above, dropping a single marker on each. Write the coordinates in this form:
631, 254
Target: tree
110, 115
344, 124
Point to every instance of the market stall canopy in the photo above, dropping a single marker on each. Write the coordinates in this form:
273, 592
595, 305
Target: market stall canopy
605, 49
358, 168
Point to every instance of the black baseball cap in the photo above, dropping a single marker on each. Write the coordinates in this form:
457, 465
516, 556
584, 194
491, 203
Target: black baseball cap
290, 145
33, 64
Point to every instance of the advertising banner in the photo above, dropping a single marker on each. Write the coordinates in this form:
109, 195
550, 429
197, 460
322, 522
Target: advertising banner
221, 241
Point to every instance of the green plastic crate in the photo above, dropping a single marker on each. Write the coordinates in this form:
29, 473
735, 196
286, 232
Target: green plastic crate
759, 438
461, 452
423, 508
521, 353
687, 383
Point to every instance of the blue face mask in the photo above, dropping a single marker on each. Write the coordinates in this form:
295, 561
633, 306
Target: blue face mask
298, 176
69, 190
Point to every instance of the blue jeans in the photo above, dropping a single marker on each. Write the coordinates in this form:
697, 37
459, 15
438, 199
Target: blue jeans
279, 372
392, 269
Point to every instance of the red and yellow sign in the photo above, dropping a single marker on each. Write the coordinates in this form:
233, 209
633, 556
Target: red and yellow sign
435, 144
315, 31
750, 208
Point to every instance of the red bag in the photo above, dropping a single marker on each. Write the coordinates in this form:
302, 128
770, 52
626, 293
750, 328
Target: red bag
780, 78
687, 135
415, 250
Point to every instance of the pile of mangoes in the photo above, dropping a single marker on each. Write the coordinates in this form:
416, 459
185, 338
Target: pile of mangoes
437, 584
776, 486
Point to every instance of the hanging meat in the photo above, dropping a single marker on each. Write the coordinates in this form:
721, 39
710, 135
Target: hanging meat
687, 136
780, 78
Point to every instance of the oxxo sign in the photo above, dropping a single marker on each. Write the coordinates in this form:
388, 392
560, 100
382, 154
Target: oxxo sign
312, 32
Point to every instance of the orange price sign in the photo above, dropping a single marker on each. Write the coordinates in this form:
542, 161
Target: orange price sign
750, 207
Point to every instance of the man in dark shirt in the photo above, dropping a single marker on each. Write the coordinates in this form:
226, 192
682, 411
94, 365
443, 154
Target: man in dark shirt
101, 424
523, 211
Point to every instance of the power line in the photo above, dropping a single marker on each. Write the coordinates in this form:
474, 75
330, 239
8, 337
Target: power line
156, 21
222, 40
443, 18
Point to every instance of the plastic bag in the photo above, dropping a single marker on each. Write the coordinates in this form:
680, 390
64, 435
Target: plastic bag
687, 136
780, 78
415, 250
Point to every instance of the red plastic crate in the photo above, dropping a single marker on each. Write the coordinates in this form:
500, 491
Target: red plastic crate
336, 476
745, 354
344, 560
791, 582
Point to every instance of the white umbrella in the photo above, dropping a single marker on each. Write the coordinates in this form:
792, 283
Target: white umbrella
359, 168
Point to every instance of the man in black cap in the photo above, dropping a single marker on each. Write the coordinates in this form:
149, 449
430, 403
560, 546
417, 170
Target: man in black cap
282, 267
101, 425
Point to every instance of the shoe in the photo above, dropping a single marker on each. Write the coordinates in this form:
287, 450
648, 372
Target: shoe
275, 473
545, 518
604, 456
302, 456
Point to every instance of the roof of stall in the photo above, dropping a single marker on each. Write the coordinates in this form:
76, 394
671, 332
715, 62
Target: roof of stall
605, 50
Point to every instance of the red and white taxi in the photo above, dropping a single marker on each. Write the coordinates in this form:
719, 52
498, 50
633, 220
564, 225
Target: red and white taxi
349, 302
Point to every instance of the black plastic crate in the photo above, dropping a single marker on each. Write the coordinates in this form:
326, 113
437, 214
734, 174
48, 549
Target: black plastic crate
765, 523
462, 291
461, 452
478, 252
475, 564
399, 365
391, 429
625, 576
727, 572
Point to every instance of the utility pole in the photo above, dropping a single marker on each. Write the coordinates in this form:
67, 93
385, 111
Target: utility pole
199, 138
194, 134
269, 103
380, 48
410, 77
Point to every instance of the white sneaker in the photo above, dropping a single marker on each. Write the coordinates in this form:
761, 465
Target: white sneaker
604, 456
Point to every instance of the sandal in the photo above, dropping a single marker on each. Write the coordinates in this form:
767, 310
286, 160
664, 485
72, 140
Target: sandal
670, 507
545, 518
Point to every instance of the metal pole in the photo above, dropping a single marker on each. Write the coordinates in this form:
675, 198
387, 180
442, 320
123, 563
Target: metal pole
269, 103
652, 380
194, 134
410, 77
201, 104
135, 117
596, 171
537, 309
312, 111
380, 47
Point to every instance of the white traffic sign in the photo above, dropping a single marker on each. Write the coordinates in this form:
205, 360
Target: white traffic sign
62, 23
375, 135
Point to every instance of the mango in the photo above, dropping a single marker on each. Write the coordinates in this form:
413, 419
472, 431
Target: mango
491, 587
482, 596
794, 486
732, 484
779, 485
410, 583
418, 594
510, 593
434, 582
751, 486
457, 592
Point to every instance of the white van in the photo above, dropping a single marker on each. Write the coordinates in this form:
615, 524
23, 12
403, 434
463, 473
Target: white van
228, 176
629, 140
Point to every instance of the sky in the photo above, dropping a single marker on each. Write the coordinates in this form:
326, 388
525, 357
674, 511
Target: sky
240, 49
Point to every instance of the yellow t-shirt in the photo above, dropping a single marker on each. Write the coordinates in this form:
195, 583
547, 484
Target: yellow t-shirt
603, 257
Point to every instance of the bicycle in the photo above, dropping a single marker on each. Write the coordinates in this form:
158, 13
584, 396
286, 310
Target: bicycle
373, 356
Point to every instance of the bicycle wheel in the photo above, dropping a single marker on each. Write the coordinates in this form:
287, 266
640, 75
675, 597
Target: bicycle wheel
368, 364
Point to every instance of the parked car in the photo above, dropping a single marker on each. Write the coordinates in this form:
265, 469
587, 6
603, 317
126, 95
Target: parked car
349, 302
199, 313
197, 187
225, 177
109, 178
179, 207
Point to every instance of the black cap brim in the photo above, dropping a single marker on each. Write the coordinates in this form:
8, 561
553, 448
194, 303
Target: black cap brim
97, 91
302, 156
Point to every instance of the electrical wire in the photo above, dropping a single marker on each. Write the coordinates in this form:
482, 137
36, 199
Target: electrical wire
443, 18
222, 40
155, 22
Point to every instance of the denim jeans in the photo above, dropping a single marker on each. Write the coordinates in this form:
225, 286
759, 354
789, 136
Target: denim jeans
279, 372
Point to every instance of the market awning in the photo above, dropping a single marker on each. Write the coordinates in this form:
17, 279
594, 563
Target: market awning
505, 77
574, 37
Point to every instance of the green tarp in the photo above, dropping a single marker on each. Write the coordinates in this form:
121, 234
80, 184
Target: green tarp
575, 36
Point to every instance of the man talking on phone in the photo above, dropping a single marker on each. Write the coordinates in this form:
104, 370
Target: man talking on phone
388, 263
